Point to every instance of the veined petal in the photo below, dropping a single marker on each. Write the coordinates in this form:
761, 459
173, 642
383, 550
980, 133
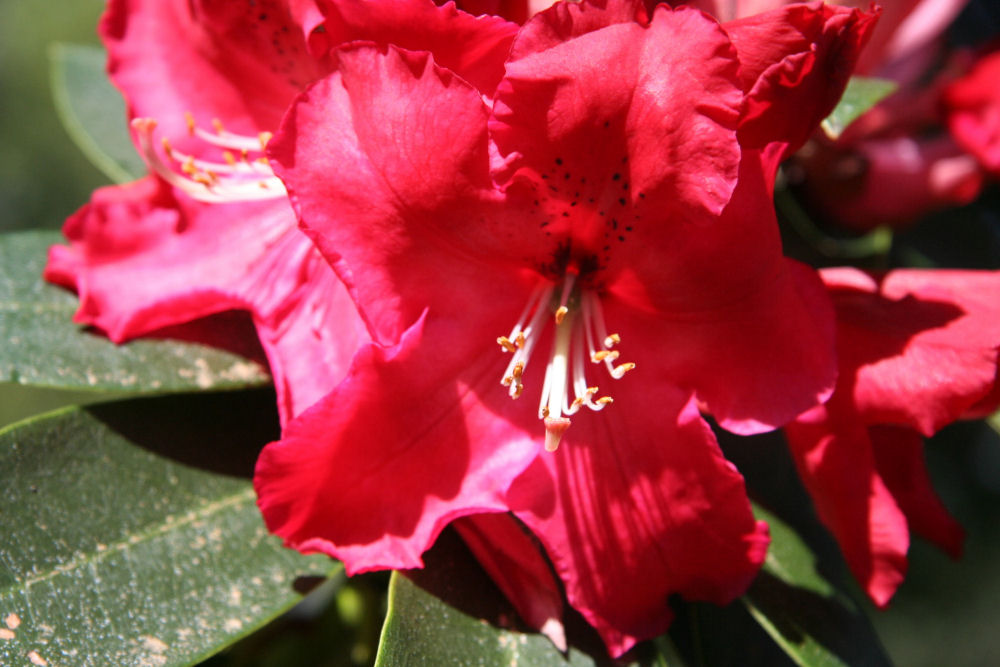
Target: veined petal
755, 341
635, 507
386, 161
919, 348
666, 130
833, 453
474, 47
444, 453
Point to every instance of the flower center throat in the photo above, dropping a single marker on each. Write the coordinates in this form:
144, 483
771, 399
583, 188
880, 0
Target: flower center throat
580, 336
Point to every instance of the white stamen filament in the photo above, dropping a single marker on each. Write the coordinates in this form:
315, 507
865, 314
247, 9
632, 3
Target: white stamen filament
233, 180
577, 326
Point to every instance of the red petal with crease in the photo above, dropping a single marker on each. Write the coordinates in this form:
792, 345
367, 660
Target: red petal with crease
899, 457
515, 562
794, 65
375, 492
222, 257
216, 59
636, 506
474, 47
920, 347
407, 143
670, 132
834, 457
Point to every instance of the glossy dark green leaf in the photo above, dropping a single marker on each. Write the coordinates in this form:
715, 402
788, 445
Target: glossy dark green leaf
92, 110
40, 344
131, 533
450, 613
816, 624
861, 94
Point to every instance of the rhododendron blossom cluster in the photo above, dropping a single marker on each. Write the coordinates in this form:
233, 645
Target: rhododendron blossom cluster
506, 267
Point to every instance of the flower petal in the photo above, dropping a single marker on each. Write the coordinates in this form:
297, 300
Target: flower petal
668, 129
637, 504
899, 456
238, 62
833, 453
386, 161
515, 562
794, 64
474, 47
919, 347
754, 341
374, 489
972, 105
221, 257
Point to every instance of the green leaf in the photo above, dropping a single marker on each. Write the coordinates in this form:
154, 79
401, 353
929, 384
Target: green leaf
814, 623
861, 94
40, 344
131, 533
92, 110
421, 629
450, 613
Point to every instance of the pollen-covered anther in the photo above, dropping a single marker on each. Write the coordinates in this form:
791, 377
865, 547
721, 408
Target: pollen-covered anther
505, 343
612, 340
226, 180
605, 400
621, 370
561, 313
604, 355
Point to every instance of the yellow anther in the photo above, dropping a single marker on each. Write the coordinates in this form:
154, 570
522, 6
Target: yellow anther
604, 400
506, 344
577, 402
203, 178
518, 388
217, 124
167, 148
518, 370
507, 380
601, 355
262, 160
188, 167
519, 339
264, 137
229, 158
612, 340
591, 391
622, 369
561, 314
189, 119
545, 411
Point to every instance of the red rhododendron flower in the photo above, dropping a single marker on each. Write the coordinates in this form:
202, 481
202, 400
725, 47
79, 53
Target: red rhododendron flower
609, 223
918, 350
